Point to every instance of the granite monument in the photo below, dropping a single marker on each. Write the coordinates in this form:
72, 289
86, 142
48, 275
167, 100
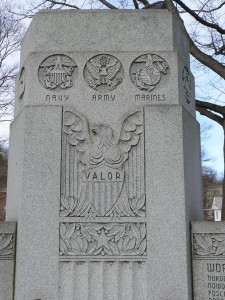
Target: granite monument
104, 160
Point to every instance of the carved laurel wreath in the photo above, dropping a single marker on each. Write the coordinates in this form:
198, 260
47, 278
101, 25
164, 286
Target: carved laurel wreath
102, 239
209, 244
6, 244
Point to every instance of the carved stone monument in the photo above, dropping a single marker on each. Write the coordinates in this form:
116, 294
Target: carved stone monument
208, 252
104, 162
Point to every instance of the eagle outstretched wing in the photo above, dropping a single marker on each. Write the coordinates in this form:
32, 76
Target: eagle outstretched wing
47, 64
130, 133
113, 70
93, 76
93, 70
76, 128
131, 145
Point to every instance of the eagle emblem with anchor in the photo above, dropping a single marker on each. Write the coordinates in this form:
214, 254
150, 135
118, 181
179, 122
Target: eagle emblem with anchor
57, 71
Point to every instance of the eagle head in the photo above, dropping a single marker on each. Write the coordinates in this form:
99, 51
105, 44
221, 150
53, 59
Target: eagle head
102, 136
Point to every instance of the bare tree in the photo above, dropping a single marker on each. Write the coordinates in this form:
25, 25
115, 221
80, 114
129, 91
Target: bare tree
11, 32
3, 164
205, 34
3, 178
212, 186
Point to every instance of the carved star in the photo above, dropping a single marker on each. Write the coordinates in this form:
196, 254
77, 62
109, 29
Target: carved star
103, 240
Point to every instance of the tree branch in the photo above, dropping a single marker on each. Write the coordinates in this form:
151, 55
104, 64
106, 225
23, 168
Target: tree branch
135, 4
213, 9
212, 106
199, 19
109, 5
205, 59
144, 2
158, 4
220, 50
62, 3
210, 115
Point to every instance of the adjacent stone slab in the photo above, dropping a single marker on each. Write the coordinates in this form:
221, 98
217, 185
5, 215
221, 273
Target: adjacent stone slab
208, 259
33, 200
7, 255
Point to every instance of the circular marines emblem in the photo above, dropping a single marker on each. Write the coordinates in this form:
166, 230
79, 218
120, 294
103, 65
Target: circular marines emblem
56, 71
146, 70
103, 72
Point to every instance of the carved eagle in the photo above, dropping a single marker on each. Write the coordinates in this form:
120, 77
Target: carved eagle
98, 149
96, 144
105, 67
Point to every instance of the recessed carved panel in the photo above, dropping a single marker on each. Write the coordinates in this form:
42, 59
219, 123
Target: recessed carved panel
102, 239
102, 176
186, 78
147, 70
103, 72
57, 72
103, 182
6, 246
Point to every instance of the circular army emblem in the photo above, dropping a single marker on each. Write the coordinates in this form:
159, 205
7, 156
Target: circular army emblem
146, 71
103, 72
22, 78
186, 85
56, 71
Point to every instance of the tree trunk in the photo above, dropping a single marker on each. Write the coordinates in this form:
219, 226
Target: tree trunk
223, 203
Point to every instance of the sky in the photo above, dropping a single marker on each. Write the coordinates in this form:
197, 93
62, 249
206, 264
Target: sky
205, 82
209, 87
213, 145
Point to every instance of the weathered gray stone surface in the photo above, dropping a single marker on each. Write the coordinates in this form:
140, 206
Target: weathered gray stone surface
90, 33
38, 197
7, 257
106, 148
208, 259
